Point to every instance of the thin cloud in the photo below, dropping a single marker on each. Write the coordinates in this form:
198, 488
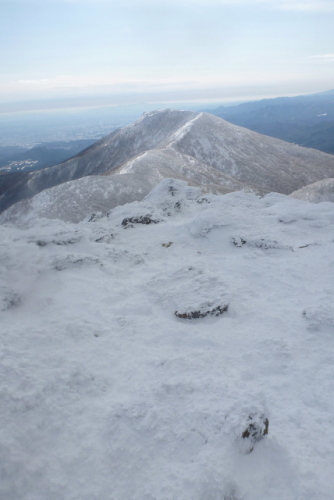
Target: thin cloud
322, 58
34, 82
99, 83
285, 4
307, 5
293, 5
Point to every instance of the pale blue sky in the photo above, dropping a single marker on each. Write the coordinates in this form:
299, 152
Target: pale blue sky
156, 50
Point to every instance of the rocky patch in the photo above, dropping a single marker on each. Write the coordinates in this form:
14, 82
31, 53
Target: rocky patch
257, 428
142, 219
261, 243
205, 310
93, 217
74, 261
59, 239
238, 242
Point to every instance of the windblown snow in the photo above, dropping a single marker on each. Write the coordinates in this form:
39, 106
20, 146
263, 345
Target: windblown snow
177, 348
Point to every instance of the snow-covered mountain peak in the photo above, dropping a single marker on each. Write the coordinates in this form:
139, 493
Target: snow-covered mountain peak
156, 126
199, 148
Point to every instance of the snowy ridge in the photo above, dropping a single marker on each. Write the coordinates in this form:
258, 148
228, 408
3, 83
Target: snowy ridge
126, 169
257, 162
251, 158
316, 192
179, 134
106, 393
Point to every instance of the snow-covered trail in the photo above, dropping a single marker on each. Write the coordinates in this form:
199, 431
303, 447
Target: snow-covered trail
106, 394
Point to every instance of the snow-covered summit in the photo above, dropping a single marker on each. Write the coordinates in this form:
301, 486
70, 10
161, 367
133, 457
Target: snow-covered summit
178, 347
262, 163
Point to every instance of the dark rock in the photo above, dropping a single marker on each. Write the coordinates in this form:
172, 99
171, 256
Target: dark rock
172, 190
94, 217
61, 239
203, 200
41, 243
201, 313
68, 241
105, 238
238, 242
142, 219
71, 261
265, 244
258, 426
260, 243
286, 220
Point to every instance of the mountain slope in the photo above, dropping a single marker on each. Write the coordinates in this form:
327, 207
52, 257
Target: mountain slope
248, 157
241, 154
109, 152
305, 120
316, 192
113, 150
201, 148
74, 200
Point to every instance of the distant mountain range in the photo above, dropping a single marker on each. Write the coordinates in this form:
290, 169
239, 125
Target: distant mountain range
201, 148
304, 120
18, 159
10, 151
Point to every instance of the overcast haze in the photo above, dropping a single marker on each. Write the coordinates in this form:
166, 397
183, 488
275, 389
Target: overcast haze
107, 52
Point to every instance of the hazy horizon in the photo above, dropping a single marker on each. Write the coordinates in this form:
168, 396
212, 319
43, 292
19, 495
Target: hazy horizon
90, 53
209, 97
43, 121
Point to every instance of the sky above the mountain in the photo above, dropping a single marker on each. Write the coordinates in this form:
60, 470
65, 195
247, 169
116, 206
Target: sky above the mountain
77, 52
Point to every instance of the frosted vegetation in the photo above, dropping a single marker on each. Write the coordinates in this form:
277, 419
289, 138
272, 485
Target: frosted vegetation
175, 348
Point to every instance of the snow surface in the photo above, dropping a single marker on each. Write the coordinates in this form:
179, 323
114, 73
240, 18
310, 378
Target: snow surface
107, 395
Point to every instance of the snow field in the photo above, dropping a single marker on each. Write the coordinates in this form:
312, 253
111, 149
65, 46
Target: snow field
106, 394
